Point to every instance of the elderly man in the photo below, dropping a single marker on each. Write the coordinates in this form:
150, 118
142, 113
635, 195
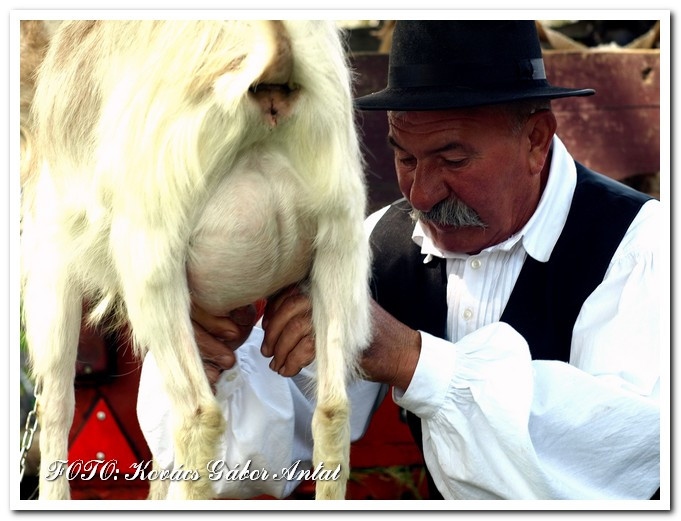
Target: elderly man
517, 303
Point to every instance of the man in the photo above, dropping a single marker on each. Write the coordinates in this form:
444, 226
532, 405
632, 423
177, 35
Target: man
517, 304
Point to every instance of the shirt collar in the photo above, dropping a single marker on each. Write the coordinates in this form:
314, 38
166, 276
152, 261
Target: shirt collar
541, 232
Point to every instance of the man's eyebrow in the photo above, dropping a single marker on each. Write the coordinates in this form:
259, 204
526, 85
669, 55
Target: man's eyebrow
393, 144
449, 146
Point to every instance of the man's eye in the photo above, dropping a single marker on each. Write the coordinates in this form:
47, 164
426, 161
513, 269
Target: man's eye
406, 161
455, 162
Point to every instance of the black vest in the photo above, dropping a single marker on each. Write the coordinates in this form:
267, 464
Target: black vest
546, 298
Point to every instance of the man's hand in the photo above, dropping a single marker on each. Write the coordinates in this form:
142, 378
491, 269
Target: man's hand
289, 339
394, 351
219, 337
289, 335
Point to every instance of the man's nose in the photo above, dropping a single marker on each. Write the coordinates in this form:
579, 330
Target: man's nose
427, 189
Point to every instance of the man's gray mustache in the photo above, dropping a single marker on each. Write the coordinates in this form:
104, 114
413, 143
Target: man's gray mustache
450, 212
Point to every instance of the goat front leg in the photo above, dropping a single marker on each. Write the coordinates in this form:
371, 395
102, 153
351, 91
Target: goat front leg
52, 315
340, 313
157, 300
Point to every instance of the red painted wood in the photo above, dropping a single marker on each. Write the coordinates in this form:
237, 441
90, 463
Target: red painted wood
119, 435
101, 438
387, 441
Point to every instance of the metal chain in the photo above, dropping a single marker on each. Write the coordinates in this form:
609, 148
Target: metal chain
29, 433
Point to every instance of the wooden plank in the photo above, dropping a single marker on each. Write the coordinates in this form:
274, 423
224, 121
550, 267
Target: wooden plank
616, 131
620, 143
621, 78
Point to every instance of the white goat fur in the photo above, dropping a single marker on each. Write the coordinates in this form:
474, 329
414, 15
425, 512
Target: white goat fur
160, 176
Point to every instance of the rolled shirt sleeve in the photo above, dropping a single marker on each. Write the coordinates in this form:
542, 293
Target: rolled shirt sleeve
497, 425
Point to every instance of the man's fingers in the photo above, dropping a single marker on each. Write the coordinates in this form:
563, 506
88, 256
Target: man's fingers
220, 327
218, 336
232, 330
276, 302
215, 355
212, 350
294, 308
295, 343
302, 356
289, 333
212, 373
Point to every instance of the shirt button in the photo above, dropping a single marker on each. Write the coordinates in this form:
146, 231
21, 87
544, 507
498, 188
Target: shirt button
230, 376
467, 314
475, 264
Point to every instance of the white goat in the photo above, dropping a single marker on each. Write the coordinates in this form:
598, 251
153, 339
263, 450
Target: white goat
34, 38
211, 159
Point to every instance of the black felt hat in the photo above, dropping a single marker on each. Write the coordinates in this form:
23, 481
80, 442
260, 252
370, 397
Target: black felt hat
443, 64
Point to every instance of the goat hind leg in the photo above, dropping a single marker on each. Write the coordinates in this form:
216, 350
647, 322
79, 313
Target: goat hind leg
52, 315
157, 303
340, 309
199, 423
158, 488
331, 420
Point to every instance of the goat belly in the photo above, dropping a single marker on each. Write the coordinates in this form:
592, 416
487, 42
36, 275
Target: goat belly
253, 236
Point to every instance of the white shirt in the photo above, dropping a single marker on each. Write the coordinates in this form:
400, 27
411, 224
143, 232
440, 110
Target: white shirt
495, 423
268, 420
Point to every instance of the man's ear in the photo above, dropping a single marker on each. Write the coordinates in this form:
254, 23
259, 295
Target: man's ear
540, 128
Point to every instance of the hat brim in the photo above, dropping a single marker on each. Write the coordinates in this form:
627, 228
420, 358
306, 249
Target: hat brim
430, 98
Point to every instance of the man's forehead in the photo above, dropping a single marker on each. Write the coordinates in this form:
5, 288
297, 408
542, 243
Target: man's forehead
430, 120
